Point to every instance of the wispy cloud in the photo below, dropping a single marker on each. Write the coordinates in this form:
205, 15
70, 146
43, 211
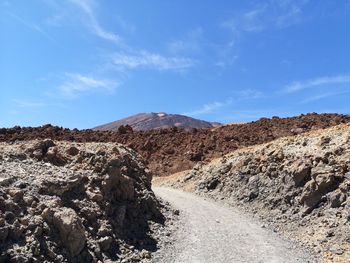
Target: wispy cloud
125, 25
28, 104
145, 59
244, 115
77, 84
88, 8
269, 15
190, 43
31, 26
209, 107
250, 21
317, 82
292, 16
248, 94
324, 96
244, 94
34, 104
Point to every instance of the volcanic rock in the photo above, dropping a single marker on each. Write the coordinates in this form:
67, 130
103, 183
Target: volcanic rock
168, 151
299, 189
83, 210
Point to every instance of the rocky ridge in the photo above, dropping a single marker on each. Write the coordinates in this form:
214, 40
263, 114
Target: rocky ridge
298, 186
172, 150
64, 202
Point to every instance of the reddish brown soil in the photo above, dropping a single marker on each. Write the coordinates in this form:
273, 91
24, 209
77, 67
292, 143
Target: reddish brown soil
172, 150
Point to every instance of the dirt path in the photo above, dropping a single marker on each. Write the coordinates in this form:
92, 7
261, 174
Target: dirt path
211, 232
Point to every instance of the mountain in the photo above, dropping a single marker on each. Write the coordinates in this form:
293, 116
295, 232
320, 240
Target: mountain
161, 120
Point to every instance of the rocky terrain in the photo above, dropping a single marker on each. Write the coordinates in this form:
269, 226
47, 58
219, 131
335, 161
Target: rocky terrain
80, 196
298, 185
172, 150
71, 202
161, 120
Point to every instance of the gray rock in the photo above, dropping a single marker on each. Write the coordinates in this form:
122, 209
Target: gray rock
336, 198
71, 230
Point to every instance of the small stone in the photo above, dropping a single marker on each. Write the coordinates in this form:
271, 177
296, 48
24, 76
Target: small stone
2, 221
24, 221
105, 230
4, 231
16, 232
38, 231
96, 197
73, 151
20, 184
336, 198
105, 243
47, 215
16, 194
9, 217
28, 200
145, 254
336, 249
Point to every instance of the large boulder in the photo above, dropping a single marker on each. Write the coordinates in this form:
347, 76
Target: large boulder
70, 229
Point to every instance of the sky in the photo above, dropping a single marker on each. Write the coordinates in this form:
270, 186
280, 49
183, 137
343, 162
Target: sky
81, 63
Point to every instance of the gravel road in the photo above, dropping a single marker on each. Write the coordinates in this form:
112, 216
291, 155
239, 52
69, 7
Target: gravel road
212, 232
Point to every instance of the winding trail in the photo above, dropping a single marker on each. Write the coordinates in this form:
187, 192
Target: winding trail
211, 232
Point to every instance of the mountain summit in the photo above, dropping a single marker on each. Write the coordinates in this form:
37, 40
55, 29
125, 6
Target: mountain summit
160, 120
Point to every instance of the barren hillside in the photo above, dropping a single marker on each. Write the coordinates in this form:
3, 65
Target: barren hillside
298, 185
173, 150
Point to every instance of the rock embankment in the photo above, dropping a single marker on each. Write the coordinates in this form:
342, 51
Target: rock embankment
74, 202
299, 186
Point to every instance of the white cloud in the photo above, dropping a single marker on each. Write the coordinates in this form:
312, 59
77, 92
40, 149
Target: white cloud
292, 17
324, 96
77, 84
28, 104
88, 8
32, 26
208, 108
151, 60
34, 104
273, 14
248, 94
190, 43
252, 21
317, 82
126, 25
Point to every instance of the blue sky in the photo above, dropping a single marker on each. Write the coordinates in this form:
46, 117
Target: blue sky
80, 63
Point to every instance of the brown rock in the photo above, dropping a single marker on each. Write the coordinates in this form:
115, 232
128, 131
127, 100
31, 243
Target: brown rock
300, 172
336, 198
73, 151
71, 230
105, 243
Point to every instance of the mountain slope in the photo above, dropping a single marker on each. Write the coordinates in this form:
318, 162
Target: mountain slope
161, 120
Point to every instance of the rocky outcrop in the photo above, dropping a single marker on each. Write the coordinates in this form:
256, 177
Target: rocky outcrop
64, 202
299, 186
